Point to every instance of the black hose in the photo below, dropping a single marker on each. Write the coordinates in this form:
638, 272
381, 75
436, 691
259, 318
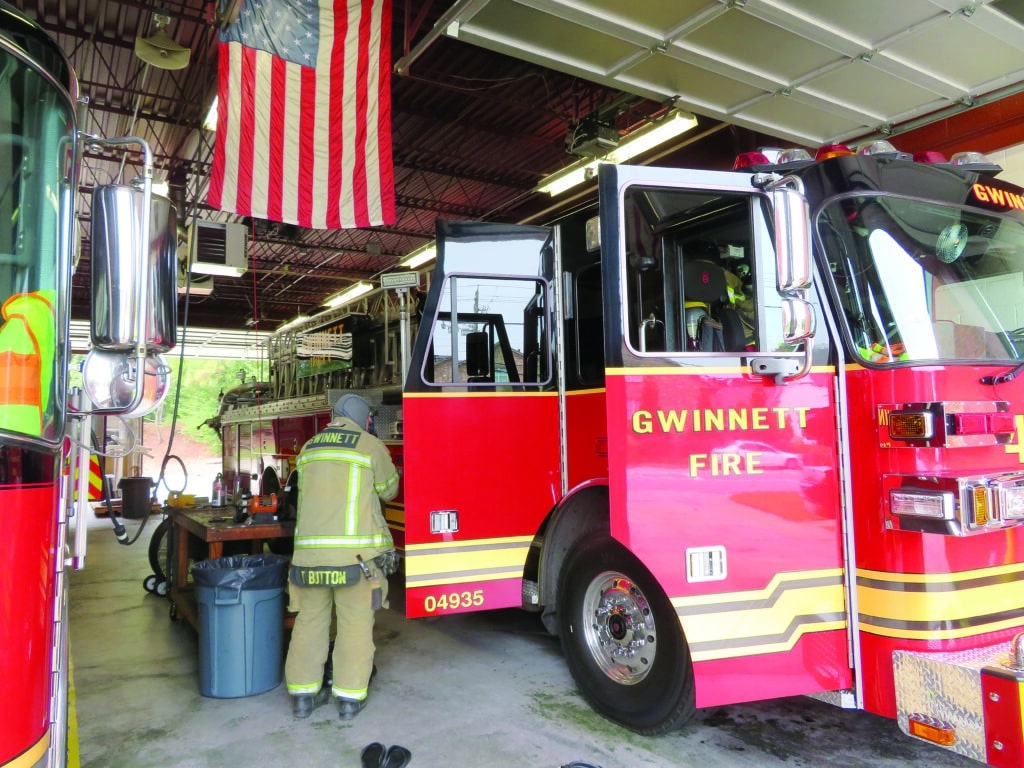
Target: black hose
119, 530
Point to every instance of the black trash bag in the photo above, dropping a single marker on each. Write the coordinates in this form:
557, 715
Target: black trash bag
242, 572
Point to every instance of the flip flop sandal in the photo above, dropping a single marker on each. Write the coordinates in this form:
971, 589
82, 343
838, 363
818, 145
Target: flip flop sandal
373, 755
396, 757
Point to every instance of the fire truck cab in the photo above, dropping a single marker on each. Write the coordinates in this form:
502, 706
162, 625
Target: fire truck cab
725, 471
734, 435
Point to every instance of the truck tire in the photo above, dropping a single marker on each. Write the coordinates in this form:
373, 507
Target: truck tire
622, 640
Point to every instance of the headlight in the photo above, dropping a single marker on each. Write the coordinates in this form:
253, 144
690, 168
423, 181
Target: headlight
936, 505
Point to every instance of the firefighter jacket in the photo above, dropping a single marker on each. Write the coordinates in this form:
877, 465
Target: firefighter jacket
27, 344
344, 474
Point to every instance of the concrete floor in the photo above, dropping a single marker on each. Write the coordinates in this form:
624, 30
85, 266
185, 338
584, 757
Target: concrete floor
488, 690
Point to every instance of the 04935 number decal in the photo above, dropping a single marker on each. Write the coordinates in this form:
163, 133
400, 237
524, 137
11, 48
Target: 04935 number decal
453, 601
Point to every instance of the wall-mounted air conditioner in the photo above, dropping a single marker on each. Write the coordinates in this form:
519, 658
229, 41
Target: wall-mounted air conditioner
217, 248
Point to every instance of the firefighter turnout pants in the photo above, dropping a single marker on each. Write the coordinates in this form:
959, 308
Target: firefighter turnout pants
353, 644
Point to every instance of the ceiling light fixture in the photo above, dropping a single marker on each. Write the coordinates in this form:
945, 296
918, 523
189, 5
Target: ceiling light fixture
159, 49
419, 257
221, 270
642, 140
350, 294
293, 323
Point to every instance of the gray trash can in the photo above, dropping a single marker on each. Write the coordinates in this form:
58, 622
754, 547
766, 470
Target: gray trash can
241, 624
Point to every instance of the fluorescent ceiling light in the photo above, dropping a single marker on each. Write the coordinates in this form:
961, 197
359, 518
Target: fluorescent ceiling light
351, 293
222, 270
642, 140
652, 135
419, 257
295, 321
572, 176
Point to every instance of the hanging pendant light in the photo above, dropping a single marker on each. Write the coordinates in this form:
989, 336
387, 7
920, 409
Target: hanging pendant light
159, 49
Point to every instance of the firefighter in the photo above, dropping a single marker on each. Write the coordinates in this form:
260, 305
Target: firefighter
343, 554
27, 344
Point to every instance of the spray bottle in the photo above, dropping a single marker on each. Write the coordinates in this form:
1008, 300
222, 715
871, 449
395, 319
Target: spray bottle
217, 498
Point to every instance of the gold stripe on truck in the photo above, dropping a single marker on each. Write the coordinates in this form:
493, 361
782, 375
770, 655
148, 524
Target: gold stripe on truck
940, 606
768, 620
458, 562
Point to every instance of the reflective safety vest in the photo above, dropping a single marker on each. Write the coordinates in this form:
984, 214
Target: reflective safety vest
344, 474
884, 353
27, 351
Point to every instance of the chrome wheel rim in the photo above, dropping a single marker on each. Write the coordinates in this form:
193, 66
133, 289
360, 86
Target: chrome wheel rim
619, 628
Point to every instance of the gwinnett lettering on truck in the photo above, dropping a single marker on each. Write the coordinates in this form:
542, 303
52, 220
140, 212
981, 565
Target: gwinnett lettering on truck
718, 419
721, 463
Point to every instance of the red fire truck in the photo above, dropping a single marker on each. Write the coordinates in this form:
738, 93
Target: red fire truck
735, 435
41, 431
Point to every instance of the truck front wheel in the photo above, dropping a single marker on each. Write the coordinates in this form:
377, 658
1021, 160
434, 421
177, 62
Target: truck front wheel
622, 640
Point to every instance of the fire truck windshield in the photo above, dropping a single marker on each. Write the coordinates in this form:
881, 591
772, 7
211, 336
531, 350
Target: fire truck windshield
920, 281
36, 158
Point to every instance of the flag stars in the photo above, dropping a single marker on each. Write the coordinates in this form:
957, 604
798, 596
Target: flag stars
311, 192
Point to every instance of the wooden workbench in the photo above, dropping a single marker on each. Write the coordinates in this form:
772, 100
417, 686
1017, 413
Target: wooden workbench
214, 526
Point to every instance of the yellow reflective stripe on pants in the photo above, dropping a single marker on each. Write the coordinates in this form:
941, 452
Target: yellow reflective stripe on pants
353, 647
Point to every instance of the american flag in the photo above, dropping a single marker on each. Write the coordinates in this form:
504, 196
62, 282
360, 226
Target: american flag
304, 114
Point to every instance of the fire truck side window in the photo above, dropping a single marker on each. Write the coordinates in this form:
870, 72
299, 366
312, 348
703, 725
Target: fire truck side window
498, 328
690, 271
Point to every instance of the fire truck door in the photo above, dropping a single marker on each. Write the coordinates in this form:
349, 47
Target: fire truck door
723, 483
481, 420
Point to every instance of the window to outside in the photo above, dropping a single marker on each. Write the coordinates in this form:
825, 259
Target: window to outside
490, 330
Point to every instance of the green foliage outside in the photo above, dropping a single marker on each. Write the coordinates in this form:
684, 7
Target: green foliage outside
202, 382
197, 446
198, 398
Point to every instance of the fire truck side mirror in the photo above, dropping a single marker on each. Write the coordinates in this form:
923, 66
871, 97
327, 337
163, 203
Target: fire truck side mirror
478, 356
792, 235
133, 270
134, 293
797, 320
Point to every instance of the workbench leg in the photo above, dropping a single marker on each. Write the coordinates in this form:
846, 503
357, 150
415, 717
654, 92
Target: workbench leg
181, 572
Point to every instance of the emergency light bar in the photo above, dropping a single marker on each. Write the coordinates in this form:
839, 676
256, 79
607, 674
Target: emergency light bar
780, 160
